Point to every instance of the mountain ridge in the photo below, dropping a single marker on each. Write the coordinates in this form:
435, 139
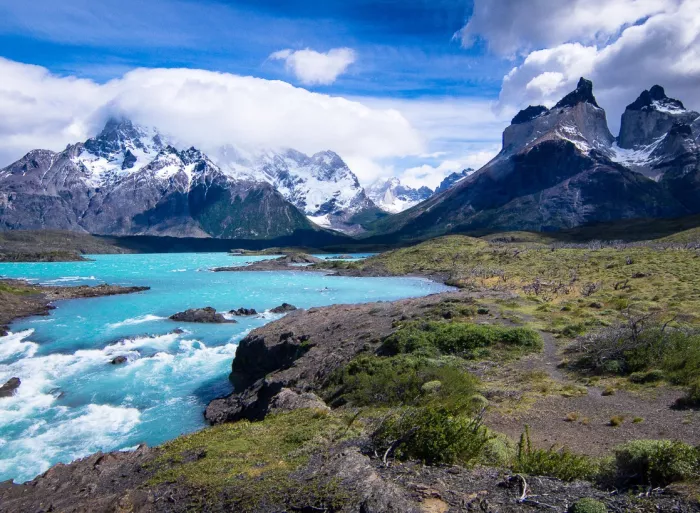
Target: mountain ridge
560, 168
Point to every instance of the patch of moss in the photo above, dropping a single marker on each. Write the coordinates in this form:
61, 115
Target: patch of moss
252, 464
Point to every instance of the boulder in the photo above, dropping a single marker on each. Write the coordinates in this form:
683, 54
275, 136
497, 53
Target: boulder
202, 315
9, 388
288, 400
283, 308
243, 312
119, 360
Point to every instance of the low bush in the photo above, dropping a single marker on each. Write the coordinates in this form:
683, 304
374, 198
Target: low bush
371, 380
651, 376
560, 464
656, 462
691, 399
588, 505
459, 338
433, 434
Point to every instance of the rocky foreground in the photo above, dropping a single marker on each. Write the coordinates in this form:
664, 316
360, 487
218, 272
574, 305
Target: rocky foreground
279, 373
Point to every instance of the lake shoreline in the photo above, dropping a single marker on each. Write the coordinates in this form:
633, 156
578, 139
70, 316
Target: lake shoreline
20, 298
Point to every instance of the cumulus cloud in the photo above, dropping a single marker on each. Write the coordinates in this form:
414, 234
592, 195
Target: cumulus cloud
664, 49
430, 175
197, 107
311, 67
511, 27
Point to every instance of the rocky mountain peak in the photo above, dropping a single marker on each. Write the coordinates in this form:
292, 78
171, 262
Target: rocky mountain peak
650, 117
121, 135
528, 114
454, 178
576, 118
582, 94
655, 99
392, 196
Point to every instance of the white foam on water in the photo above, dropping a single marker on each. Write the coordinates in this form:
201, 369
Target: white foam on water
75, 433
135, 320
68, 279
178, 270
13, 345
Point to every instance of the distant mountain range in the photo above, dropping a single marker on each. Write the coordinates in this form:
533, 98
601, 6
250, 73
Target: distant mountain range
561, 167
558, 168
133, 180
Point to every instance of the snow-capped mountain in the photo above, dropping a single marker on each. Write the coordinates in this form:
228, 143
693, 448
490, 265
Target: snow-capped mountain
392, 196
649, 132
321, 185
561, 167
129, 181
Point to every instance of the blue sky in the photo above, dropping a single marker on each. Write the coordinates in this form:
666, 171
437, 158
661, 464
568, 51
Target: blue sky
405, 48
409, 88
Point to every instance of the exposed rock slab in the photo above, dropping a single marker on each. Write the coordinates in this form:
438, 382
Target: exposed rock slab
201, 315
10, 387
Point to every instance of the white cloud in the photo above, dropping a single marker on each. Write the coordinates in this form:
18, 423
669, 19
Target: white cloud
624, 46
431, 175
664, 50
510, 27
197, 107
311, 67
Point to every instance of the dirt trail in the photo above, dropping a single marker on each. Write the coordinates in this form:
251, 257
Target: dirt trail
591, 433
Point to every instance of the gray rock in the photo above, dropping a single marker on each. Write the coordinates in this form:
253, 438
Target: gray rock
201, 315
289, 400
244, 312
283, 308
10, 387
119, 360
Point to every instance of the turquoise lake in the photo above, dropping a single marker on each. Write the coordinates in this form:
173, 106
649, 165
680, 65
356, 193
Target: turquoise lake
73, 402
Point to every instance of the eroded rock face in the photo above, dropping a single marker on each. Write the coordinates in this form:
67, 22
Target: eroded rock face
201, 315
650, 117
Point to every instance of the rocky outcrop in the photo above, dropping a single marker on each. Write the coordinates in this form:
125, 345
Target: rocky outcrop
289, 400
10, 387
201, 315
284, 263
283, 308
244, 312
300, 351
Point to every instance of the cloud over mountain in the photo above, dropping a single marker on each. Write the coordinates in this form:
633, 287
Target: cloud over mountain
196, 107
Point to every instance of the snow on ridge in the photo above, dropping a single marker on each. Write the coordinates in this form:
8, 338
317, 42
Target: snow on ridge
634, 157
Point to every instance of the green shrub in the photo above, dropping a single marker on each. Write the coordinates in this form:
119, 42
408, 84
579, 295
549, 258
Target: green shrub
656, 462
433, 434
651, 376
588, 505
560, 464
459, 338
692, 397
370, 380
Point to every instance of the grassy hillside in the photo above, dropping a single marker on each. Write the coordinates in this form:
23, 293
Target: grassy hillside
651, 277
